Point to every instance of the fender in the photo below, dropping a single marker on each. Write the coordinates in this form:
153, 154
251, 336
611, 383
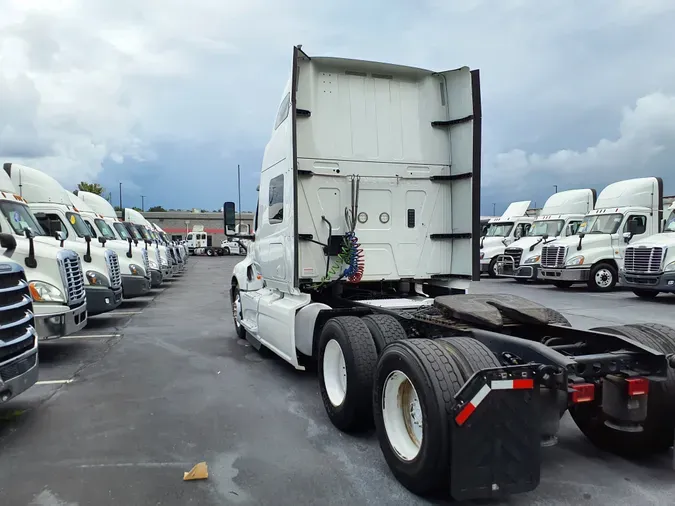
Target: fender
305, 323
247, 276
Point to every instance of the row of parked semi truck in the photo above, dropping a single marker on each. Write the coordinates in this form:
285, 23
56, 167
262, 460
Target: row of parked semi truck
64, 257
622, 236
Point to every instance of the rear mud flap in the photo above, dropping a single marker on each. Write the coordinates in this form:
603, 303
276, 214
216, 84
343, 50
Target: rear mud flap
496, 435
488, 309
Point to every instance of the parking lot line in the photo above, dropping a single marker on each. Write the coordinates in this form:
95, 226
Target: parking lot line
119, 313
90, 336
54, 382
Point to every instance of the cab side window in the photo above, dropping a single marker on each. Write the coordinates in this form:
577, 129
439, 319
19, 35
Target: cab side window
276, 201
282, 113
572, 228
636, 224
521, 230
91, 229
51, 223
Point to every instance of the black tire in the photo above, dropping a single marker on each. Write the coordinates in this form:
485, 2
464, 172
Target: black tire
436, 379
492, 269
557, 318
563, 285
603, 270
657, 436
209, 252
360, 357
385, 329
646, 294
470, 355
226, 251
240, 330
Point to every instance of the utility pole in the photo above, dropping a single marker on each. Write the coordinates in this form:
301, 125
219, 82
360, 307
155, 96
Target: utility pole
121, 208
143, 203
494, 209
239, 193
556, 187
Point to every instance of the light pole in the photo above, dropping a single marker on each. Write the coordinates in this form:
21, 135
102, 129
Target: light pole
121, 208
143, 203
556, 187
494, 209
239, 193
187, 222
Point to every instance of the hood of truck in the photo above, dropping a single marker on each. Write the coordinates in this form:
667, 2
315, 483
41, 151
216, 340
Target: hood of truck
491, 242
98, 261
662, 240
47, 269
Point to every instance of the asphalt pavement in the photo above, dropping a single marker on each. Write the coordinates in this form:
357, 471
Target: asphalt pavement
142, 394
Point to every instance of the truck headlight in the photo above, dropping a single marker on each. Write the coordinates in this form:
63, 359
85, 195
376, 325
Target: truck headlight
532, 260
136, 270
153, 265
670, 267
97, 279
44, 292
578, 260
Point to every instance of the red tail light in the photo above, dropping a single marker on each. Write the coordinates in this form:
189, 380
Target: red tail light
583, 392
637, 386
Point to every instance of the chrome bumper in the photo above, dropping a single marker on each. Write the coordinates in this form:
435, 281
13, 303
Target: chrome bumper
60, 323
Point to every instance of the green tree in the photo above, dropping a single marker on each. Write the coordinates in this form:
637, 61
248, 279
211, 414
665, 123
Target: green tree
90, 187
137, 209
156, 209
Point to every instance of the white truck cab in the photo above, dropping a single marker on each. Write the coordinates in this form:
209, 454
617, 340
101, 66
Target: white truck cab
18, 338
54, 275
139, 227
162, 239
625, 211
50, 203
501, 232
134, 262
108, 216
649, 263
560, 217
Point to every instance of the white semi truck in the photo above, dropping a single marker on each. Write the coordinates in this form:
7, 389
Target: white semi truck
649, 263
134, 261
625, 211
366, 238
501, 232
18, 338
137, 224
561, 216
50, 203
109, 217
55, 279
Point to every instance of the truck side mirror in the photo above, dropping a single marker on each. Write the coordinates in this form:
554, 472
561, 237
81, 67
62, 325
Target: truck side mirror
102, 240
544, 237
129, 255
229, 216
60, 236
627, 236
87, 255
7, 241
30, 260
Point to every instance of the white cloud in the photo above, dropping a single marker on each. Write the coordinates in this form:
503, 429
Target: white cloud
645, 131
86, 83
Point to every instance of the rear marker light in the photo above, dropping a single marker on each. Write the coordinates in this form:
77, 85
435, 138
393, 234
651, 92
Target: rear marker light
470, 407
583, 392
637, 386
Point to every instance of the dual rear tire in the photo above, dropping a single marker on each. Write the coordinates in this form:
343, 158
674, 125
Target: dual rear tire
369, 373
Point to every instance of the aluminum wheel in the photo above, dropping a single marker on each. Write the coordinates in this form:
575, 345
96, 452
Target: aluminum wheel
335, 373
604, 278
236, 310
402, 415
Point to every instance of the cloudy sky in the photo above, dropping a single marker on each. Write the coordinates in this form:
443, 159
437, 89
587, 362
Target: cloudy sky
168, 96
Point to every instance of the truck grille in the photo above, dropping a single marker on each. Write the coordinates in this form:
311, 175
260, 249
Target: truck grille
516, 254
553, 256
113, 261
641, 259
17, 325
71, 275
146, 262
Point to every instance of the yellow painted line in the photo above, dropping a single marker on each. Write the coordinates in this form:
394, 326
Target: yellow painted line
54, 382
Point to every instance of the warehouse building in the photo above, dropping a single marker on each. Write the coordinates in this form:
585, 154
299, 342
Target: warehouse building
178, 223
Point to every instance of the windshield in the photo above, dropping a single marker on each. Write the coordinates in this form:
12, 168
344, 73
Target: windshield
600, 224
105, 229
121, 230
551, 228
19, 217
78, 224
499, 229
144, 233
132, 230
